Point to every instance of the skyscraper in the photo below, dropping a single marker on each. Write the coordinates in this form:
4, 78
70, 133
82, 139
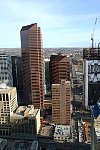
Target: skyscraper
6, 70
61, 103
59, 68
91, 76
32, 62
47, 75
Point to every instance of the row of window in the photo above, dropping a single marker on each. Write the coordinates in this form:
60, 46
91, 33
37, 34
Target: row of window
4, 97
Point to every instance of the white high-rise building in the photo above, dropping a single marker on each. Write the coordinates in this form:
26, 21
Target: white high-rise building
6, 70
8, 104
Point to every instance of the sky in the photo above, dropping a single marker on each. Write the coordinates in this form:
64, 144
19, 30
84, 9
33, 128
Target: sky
64, 23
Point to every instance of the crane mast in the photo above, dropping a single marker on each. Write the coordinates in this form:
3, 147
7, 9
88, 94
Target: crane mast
92, 35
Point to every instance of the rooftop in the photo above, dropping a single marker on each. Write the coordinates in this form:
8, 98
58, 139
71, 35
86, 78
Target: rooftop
62, 130
10, 51
27, 27
58, 57
63, 82
4, 86
5, 89
45, 131
24, 111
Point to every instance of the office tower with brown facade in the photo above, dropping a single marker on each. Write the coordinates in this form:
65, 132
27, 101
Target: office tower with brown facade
32, 62
61, 103
59, 68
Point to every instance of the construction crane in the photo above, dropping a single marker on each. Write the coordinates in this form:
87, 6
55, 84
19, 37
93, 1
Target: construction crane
92, 35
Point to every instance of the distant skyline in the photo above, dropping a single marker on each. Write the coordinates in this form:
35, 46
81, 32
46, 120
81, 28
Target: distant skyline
64, 23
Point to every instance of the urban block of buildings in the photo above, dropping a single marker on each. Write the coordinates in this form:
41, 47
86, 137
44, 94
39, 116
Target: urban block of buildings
14, 120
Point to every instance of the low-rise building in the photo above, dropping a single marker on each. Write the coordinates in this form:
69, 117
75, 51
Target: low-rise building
62, 133
87, 128
97, 128
97, 133
3, 143
25, 121
34, 145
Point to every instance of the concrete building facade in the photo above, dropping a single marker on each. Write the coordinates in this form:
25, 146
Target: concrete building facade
33, 66
62, 133
61, 103
6, 70
8, 104
25, 121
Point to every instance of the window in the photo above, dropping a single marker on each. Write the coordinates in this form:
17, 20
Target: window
0, 97
7, 98
3, 97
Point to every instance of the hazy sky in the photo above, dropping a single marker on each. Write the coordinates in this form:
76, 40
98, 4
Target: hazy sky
64, 23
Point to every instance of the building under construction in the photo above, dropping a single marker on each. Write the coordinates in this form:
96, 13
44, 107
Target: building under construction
91, 57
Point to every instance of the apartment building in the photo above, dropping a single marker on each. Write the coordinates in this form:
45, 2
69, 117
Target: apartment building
61, 103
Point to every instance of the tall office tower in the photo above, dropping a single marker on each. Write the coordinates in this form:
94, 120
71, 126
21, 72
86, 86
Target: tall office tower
61, 103
8, 104
47, 75
59, 68
6, 70
91, 76
33, 66
19, 81
18, 77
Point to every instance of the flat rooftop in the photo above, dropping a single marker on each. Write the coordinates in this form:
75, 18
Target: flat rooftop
62, 130
5, 89
45, 131
23, 111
